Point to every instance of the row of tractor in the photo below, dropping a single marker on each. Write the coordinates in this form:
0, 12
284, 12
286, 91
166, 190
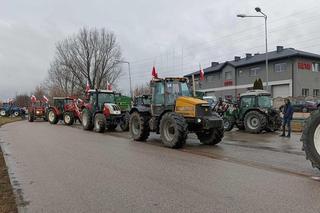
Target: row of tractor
10, 109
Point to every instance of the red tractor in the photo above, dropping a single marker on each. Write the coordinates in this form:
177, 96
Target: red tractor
101, 112
38, 110
65, 108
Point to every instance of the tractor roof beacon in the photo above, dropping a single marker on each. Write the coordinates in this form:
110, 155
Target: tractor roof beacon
254, 113
173, 113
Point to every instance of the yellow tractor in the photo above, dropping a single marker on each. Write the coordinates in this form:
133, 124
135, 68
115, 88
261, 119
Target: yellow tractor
173, 113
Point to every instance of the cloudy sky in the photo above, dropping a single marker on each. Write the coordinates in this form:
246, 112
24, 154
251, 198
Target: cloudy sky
176, 36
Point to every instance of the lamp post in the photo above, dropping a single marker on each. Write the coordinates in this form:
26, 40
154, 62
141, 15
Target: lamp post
127, 62
258, 10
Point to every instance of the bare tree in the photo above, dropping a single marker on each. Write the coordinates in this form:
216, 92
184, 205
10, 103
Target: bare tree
90, 56
142, 90
39, 92
22, 100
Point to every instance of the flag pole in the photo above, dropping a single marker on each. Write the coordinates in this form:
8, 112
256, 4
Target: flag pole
193, 86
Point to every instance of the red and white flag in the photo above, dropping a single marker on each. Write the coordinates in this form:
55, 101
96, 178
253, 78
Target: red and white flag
87, 86
33, 98
109, 86
45, 99
201, 74
154, 72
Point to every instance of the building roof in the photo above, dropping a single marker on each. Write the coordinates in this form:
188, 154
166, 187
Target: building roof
258, 58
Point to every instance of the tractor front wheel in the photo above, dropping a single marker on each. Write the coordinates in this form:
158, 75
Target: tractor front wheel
139, 126
173, 130
255, 122
99, 122
124, 125
16, 114
30, 117
87, 120
68, 118
3, 113
52, 117
211, 136
227, 124
311, 139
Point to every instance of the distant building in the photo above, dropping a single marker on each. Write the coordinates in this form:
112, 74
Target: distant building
291, 73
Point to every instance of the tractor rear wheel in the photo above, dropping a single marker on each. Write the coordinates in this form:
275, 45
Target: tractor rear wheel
173, 130
52, 117
311, 139
255, 122
211, 136
139, 126
87, 120
227, 124
68, 118
124, 125
99, 123
30, 117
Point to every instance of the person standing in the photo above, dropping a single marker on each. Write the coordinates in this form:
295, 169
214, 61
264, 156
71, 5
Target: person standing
287, 117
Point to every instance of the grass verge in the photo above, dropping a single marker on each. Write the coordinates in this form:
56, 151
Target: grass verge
7, 198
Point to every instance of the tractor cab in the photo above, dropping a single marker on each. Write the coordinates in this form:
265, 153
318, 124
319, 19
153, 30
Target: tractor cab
60, 102
255, 99
98, 98
142, 100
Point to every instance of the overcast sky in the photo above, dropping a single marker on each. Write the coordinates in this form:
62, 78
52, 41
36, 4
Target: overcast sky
174, 35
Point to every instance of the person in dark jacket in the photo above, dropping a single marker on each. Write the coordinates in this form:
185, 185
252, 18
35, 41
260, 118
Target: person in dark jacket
287, 117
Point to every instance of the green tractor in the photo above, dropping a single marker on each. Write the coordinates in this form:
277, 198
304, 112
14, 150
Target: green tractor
124, 102
253, 113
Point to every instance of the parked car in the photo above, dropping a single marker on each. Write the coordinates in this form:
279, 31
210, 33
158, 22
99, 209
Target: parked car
304, 106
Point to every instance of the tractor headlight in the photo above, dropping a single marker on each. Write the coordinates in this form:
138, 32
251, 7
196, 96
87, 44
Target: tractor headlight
199, 120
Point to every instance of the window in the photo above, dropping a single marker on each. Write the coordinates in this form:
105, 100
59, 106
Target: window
228, 75
281, 67
315, 67
305, 92
316, 92
240, 73
248, 101
254, 71
158, 93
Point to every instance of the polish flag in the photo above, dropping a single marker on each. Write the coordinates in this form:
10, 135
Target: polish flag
33, 98
45, 99
87, 86
201, 74
154, 72
109, 86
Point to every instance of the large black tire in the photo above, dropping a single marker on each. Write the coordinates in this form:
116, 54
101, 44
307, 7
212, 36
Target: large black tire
228, 124
68, 118
255, 122
52, 117
15, 114
99, 123
124, 125
311, 139
139, 126
211, 137
87, 120
173, 130
3, 113
30, 117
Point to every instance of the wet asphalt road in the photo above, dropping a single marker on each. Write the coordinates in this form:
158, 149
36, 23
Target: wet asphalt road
65, 169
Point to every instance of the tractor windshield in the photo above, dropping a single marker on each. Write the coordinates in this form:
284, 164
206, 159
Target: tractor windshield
176, 89
106, 98
265, 101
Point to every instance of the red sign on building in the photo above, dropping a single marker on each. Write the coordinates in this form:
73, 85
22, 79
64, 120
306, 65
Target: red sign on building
228, 83
304, 66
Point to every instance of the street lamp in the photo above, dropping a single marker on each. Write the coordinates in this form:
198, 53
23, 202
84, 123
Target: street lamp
258, 10
127, 62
